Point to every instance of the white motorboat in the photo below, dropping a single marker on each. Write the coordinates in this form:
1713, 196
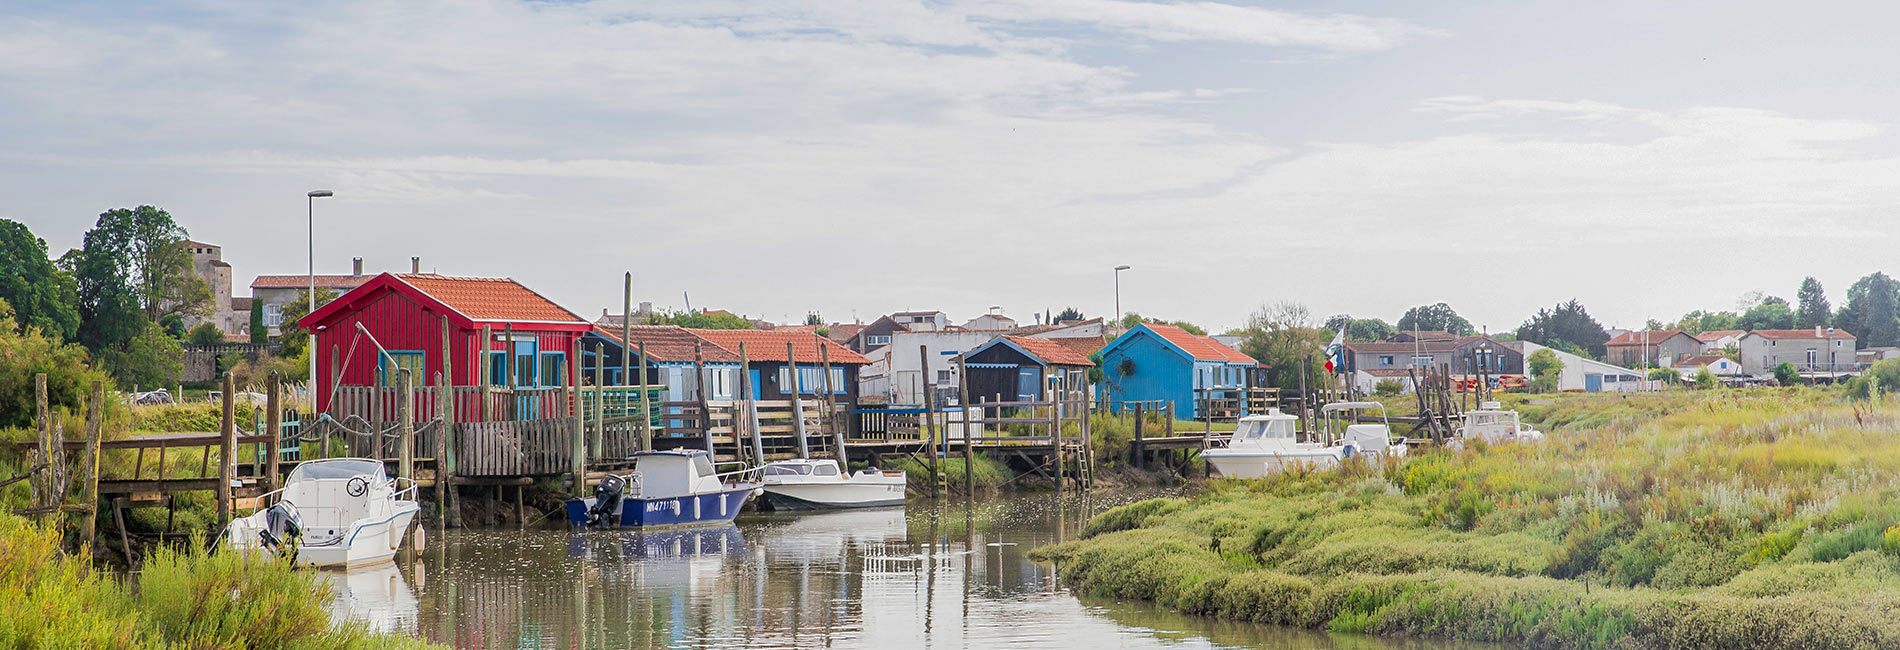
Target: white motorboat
1372, 440
812, 484
1495, 425
1264, 445
339, 512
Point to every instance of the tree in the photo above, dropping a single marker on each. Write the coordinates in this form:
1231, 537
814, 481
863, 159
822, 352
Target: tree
259, 333
29, 351
1132, 319
42, 295
1364, 330
1669, 376
1545, 369
145, 251
205, 335
1567, 323
150, 359
1705, 380
1281, 336
1786, 375
1771, 313
1811, 308
814, 319
292, 336
1699, 321
1438, 317
714, 320
1069, 314
1870, 313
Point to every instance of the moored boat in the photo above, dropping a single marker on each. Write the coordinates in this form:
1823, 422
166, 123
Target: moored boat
1264, 445
816, 484
1495, 425
339, 512
680, 487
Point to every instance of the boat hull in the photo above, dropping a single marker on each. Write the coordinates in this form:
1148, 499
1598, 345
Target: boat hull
1231, 464
368, 543
708, 508
834, 495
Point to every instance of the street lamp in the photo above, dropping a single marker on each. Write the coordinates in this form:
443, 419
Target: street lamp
310, 340
1118, 291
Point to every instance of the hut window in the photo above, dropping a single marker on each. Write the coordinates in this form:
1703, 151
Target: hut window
553, 369
397, 360
878, 340
811, 381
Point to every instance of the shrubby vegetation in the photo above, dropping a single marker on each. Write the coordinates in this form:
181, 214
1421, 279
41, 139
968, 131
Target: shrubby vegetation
1692, 519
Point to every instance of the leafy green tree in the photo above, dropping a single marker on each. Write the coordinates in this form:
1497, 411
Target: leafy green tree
814, 319
205, 335
1771, 313
1786, 375
1699, 321
1811, 308
150, 359
1132, 319
1388, 387
1567, 323
259, 333
1706, 380
715, 320
1069, 314
1438, 317
42, 295
173, 326
291, 335
143, 250
30, 351
1546, 369
1670, 376
1281, 336
1363, 330
1872, 312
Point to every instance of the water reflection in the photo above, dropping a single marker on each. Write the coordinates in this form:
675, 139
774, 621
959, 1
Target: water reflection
952, 576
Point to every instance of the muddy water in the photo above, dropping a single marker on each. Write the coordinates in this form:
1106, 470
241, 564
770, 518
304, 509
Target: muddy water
951, 575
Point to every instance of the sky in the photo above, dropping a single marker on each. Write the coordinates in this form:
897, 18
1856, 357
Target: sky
854, 158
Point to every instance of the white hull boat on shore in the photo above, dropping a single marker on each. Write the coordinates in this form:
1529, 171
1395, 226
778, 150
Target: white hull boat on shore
340, 512
1494, 425
1265, 445
817, 484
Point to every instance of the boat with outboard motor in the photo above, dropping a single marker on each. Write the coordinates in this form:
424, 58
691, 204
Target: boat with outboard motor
1372, 439
1265, 445
679, 487
815, 484
1495, 425
337, 512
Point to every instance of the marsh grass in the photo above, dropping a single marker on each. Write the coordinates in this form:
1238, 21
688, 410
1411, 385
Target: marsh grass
1707, 519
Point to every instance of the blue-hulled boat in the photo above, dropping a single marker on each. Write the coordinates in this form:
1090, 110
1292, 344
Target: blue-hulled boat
680, 487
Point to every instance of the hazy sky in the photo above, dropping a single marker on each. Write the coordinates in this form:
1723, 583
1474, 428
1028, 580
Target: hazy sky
774, 158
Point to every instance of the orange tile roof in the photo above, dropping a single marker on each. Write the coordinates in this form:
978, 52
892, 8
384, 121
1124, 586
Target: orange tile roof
670, 343
1712, 336
1202, 348
1083, 345
1049, 351
497, 299
769, 345
1635, 337
1803, 334
303, 281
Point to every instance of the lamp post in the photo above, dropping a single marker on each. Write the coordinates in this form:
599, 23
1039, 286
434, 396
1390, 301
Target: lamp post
310, 340
1118, 291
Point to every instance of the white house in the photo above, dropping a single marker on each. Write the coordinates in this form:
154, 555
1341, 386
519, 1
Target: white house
1715, 341
896, 368
1720, 365
991, 322
1367, 380
1588, 375
1819, 350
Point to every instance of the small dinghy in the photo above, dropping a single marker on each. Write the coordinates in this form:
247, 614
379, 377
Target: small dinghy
808, 484
339, 512
679, 487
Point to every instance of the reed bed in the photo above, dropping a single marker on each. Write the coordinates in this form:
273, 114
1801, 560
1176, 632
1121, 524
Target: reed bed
1722, 519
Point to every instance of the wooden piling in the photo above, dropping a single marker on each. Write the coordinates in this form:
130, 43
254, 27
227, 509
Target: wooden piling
831, 409
749, 391
963, 416
444, 444
483, 373
798, 403
1140, 462
577, 467
600, 400
227, 446
89, 463
646, 403
705, 408
41, 482
928, 419
406, 424
626, 336
273, 427
1055, 425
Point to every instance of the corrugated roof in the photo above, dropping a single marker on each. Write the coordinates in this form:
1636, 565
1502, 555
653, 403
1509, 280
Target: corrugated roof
670, 343
498, 299
1202, 348
1803, 334
303, 281
1050, 351
768, 345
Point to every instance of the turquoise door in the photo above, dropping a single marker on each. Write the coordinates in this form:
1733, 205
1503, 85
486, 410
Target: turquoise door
1028, 384
527, 375
755, 385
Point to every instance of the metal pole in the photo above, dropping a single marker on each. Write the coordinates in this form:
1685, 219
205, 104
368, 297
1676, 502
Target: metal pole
310, 339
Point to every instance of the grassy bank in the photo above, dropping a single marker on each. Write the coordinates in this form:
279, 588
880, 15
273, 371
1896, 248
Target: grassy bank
180, 600
1738, 519
990, 473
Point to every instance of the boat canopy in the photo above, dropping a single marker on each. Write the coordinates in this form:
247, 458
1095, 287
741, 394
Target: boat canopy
1351, 406
336, 468
1257, 428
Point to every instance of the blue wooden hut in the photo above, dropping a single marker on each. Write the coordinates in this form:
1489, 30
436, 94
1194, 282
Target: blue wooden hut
1156, 362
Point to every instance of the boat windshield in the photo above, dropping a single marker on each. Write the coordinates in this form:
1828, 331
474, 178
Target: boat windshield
1257, 429
335, 469
776, 469
826, 469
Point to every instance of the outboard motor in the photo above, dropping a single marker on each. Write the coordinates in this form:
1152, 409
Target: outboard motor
282, 525
607, 497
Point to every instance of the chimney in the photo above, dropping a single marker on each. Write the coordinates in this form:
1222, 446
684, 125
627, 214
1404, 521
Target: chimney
415, 265
645, 308
356, 267
1817, 331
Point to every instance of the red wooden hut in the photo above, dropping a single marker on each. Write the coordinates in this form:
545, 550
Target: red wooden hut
396, 321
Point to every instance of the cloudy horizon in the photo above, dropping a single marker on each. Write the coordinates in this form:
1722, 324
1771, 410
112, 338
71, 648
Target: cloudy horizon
858, 158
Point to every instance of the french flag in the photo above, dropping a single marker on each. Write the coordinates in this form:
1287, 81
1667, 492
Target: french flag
1335, 351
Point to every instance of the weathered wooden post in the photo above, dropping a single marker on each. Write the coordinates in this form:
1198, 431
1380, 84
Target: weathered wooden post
577, 465
646, 403
928, 420
41, 482
831, 409
273, 427
747, 390
600, 400
963, 416
89, 489
227, 446
483, 374
626, 335
798, 403
1088, 443
405, 424
1140, 463
444, 440
705, 407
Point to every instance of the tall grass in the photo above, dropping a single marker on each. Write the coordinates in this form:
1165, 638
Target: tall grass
189, 599
990, 473
1709, 519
